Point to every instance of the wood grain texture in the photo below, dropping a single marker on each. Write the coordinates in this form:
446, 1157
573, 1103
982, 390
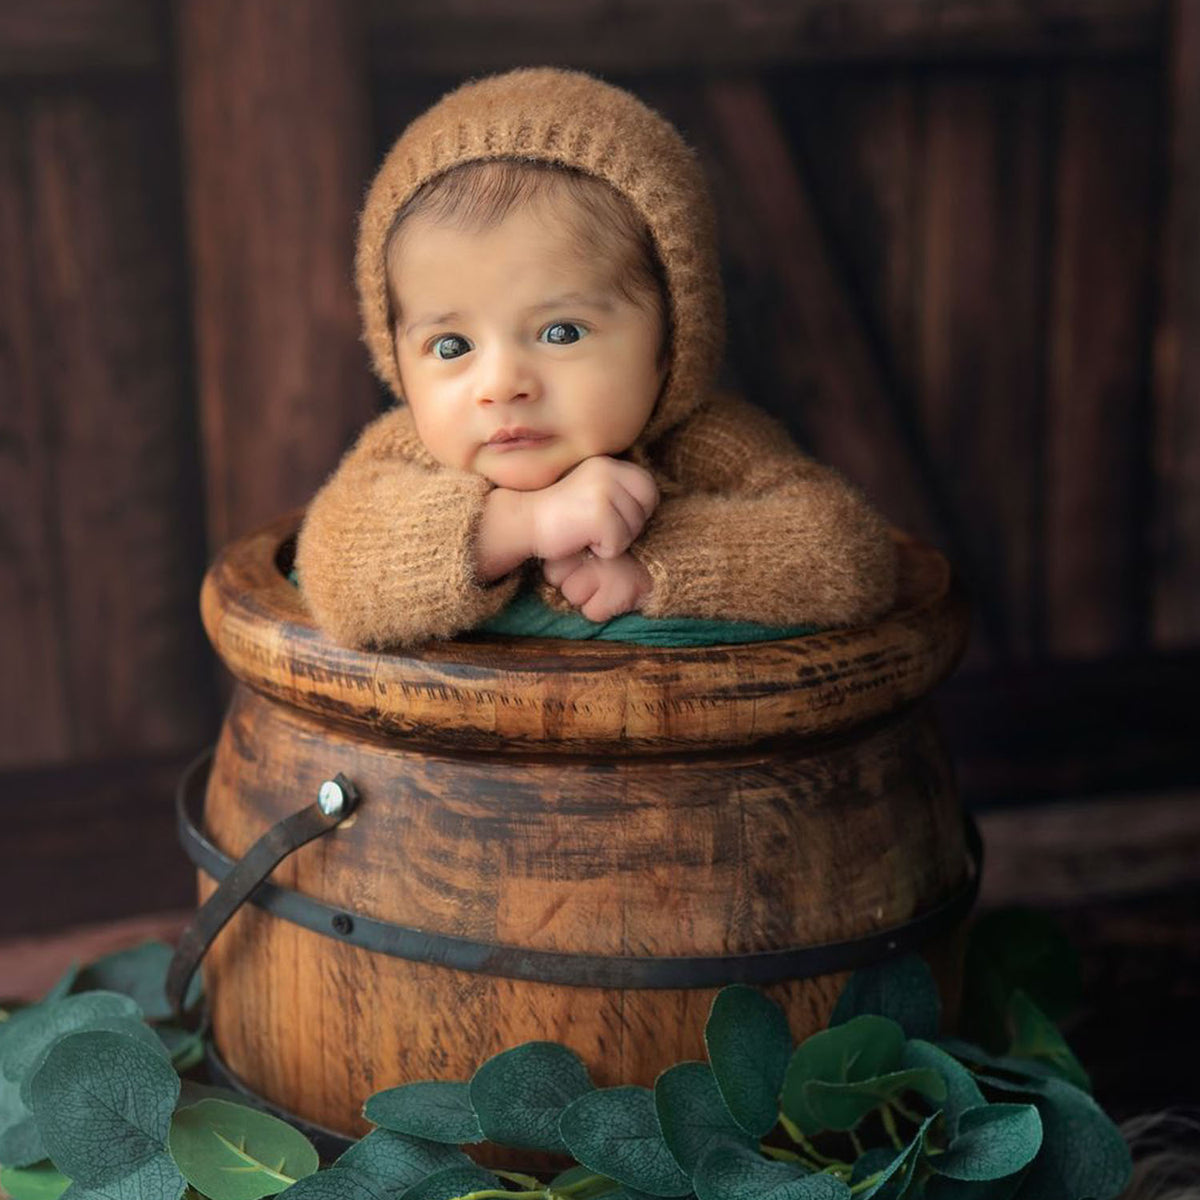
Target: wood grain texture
833, 378
726, 35
72, 37
528, 694
106, 541
35, 719
632, 801
276, 131
660, 856
1098, 363
1176, 422
982, 239
90, 842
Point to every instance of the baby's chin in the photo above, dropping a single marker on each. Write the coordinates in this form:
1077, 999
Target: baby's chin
525, 472
526, 479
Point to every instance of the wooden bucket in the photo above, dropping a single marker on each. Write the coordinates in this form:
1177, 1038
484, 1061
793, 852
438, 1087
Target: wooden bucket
563, 810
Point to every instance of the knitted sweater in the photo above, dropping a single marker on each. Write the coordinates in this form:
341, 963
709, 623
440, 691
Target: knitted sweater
748, 529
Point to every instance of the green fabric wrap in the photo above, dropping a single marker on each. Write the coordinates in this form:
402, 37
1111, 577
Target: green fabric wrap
528, 616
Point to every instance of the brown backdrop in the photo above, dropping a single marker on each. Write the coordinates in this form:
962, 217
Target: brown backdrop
962, 248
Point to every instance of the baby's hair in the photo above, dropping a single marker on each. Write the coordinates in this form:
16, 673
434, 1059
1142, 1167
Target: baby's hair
606, 229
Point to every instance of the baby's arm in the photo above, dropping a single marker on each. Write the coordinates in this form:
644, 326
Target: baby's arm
762, 532
386, 551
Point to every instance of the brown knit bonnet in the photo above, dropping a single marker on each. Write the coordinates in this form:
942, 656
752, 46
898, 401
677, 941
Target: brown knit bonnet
574, 120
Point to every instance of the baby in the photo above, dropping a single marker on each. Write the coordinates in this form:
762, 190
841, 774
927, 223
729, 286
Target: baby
539, 286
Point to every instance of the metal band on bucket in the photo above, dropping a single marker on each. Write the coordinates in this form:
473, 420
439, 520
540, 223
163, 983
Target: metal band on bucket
578, 970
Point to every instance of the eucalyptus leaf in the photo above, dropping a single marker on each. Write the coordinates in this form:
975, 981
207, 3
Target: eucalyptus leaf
993, 1140
185, 1047
129, 1026
615, 1132
21, 1142
1027, 1069
337, 1183
154, 1178
64, 985
140, 973
573, 1177
692, 1114
439, 1111
519, 1094
451, 1182
840, 1106
749, 1045
41, 1025
43, 1181
230, 1152
941, 1187
895, 1180
396, 1161
1083, 1155
961, 1090
1035, 1036
731, 1172
877, 1159
863, 1048
102, 1101
902, 989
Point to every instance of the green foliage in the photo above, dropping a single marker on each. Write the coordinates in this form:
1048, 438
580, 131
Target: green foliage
519, 1094
450, 1183
731, 1172
993, 1140
40, 1182
441, 1112
396, 1161
876, 1106
749, 1044
692, 1114
103, 1101
139, 973
230, 1152
902, 990
860, 1051
615, 1132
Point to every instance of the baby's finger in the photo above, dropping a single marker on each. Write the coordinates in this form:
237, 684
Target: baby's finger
580, 586
616, 531
639, 483
555, 570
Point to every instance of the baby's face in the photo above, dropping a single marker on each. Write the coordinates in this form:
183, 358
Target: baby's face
518, 358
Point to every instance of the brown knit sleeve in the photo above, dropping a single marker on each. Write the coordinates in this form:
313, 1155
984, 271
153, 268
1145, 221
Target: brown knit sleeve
386, 552
759, 531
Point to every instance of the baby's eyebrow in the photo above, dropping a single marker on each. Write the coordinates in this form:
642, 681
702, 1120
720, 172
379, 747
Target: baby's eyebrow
590, 299
439, 319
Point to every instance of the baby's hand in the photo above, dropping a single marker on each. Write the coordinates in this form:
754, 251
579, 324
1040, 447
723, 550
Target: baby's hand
601, 505
600, 587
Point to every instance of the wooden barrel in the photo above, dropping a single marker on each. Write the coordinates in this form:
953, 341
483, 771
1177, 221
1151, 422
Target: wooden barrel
595, 800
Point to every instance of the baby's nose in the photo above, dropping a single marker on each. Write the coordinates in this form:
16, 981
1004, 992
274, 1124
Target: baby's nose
506, 377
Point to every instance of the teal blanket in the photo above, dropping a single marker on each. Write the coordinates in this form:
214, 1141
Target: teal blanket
527, 616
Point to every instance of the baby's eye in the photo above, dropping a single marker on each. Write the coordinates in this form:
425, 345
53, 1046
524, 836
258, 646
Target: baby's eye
562, 333
449, 345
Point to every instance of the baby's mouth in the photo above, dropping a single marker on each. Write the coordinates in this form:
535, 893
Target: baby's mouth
517, 438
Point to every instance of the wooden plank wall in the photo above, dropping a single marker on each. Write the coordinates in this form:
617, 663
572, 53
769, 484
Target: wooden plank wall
961, 251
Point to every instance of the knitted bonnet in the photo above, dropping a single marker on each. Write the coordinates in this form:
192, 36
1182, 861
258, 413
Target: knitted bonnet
573, 120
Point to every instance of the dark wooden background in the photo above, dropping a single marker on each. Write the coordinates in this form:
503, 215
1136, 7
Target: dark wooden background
962, 249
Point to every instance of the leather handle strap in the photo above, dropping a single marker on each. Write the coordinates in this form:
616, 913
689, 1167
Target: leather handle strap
336, 800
